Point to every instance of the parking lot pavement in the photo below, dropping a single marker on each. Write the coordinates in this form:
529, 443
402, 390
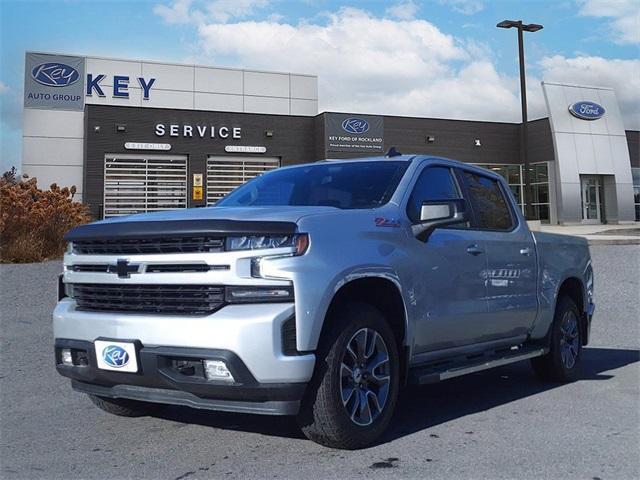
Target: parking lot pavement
497, 424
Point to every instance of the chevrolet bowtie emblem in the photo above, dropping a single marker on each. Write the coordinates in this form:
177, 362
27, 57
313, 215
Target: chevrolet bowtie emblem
123, 268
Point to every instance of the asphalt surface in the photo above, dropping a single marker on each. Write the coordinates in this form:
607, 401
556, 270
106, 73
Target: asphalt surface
501, 423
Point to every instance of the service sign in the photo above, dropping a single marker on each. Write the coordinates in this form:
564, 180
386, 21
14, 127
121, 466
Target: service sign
354, 133
54, 82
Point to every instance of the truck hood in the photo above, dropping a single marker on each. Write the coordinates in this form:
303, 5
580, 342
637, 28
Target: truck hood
199, 221
252, 214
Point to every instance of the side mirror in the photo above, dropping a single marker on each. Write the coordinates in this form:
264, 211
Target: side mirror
437, 214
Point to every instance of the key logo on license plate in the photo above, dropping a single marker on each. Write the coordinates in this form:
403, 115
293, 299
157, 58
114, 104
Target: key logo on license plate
115, 356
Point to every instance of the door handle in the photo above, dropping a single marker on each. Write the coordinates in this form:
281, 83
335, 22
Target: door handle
525, 251
474, 250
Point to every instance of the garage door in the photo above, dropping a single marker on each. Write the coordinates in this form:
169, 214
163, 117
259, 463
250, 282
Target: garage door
144, 183
226, 173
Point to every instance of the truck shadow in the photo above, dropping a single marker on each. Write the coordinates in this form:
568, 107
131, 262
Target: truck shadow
424, 407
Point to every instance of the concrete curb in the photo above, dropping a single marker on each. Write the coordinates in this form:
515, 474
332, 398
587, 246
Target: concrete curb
614, 241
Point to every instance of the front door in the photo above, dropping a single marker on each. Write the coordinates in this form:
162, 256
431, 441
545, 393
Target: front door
447, 288
591, 211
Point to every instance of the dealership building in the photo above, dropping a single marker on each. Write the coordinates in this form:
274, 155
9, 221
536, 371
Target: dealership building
138, 136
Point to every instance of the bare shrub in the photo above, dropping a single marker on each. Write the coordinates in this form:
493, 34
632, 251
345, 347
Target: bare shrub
34, 221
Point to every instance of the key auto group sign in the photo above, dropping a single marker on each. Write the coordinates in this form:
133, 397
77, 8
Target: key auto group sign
54, 82
59, 82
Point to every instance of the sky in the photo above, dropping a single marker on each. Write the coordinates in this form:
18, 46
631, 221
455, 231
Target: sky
430, 58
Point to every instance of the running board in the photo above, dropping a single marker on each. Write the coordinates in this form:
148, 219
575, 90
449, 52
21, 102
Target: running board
455, 368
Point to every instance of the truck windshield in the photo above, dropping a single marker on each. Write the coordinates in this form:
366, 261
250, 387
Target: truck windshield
362, 184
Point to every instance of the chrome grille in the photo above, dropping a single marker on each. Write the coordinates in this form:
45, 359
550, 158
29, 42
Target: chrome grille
169, 299
200, 244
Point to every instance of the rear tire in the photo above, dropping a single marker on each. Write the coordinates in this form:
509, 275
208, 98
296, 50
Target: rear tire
126, 408
562, 363
354, 389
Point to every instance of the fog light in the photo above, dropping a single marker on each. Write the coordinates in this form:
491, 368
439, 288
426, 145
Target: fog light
66, 357
217, 370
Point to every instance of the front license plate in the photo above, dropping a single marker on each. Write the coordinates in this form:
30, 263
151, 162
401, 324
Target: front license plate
116, 356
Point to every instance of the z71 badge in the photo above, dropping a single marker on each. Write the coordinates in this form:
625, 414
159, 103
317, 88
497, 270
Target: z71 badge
387, 222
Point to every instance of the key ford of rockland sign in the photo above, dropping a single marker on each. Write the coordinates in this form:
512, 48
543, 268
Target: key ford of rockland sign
348, 133
58, 82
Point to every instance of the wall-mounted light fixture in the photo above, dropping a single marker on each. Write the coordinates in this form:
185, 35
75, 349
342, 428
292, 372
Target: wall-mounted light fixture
268, 133
477, 143
96, 129
121, 127
431, 138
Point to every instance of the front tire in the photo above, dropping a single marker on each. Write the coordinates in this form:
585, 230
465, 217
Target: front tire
126, 408
354, 389
562, 363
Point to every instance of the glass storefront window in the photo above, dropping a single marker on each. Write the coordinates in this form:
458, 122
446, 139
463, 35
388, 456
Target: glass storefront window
635, 172
516, 193
539, 178
538, 173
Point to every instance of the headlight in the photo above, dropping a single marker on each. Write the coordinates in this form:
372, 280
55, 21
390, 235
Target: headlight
259, 242
258, 294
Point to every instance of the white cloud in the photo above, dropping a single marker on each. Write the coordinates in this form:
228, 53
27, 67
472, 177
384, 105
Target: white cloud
403, 11
622, 75
624, 14
224, 10
369, 64
178, 12
3, 88
466, 7
190, 11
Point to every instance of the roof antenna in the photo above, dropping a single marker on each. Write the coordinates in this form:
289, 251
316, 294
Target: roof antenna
393, 152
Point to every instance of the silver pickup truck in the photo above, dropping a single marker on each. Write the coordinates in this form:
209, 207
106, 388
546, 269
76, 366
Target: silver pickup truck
319, 291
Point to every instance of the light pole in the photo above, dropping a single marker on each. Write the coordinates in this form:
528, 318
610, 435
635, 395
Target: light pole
524, 156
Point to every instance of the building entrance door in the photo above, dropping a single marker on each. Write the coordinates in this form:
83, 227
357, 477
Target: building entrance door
591, 198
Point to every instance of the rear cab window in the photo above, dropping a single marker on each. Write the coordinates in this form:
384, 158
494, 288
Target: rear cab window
490, 206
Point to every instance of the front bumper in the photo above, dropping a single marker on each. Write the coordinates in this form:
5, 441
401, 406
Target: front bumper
253, 332
248, 338
174, 376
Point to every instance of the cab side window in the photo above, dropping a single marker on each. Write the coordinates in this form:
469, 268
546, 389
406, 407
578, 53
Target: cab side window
490, 206
434, 183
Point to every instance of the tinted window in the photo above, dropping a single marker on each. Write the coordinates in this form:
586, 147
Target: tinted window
434, 183
489, 204
362, 184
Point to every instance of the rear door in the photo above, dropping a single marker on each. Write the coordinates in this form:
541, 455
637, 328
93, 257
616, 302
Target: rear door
511, 273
